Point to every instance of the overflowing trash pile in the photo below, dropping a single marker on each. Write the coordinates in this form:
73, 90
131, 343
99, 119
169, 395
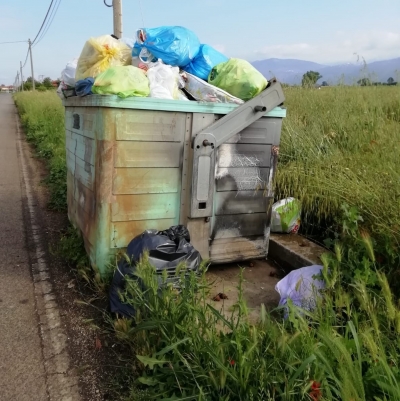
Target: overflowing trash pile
167, 62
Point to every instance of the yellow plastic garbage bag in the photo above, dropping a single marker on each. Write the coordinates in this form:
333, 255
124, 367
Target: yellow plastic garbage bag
101, 53
239, 78
124, 81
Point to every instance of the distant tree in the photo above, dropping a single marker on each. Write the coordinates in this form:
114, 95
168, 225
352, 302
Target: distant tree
324, 83
364, 82
390, 81
47, 82
29, 80
310, 78
28, 85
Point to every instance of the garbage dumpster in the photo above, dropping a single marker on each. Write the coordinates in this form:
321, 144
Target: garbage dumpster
141, 163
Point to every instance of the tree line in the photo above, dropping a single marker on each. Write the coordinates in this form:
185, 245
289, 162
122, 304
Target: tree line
310, 79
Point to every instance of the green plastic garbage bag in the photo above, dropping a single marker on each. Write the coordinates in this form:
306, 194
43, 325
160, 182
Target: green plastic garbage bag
124, 81
286, 216
239, 78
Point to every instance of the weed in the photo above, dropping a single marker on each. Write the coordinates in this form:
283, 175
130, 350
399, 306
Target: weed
42, 117
345, 349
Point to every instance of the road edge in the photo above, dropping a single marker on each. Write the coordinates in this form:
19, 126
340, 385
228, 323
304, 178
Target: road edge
61, 379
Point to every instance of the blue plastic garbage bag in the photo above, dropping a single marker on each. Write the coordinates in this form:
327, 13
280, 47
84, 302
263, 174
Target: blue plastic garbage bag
205, 61
175, 45
84, 87
302, 287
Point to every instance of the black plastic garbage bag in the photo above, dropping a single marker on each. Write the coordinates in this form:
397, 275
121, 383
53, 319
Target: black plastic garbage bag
167, 249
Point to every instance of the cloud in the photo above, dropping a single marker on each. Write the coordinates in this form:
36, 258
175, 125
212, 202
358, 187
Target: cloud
343, 47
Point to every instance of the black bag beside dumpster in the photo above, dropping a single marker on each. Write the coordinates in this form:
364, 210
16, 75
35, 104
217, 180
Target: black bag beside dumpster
167, 249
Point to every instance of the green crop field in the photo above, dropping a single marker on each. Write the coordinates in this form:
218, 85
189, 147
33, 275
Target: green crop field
338, 155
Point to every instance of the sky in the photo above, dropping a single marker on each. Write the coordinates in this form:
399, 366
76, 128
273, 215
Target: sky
324, 31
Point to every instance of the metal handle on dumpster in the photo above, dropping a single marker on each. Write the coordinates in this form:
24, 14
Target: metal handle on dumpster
208, 140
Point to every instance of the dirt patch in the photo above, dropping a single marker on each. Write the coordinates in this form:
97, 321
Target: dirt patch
260, 278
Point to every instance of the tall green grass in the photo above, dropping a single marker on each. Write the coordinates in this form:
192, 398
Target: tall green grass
185, 349
340, 145
42, 117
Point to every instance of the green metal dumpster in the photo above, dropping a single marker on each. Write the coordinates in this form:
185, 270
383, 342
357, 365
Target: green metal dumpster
129, 167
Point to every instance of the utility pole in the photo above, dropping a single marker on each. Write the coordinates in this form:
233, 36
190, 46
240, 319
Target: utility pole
22, 77
17, 82
117, 9
32, 74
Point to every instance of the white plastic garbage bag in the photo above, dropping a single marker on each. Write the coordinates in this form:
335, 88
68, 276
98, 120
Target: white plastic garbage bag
128, 41
301, 287
286, 216
204, 92
164, 81
68, 73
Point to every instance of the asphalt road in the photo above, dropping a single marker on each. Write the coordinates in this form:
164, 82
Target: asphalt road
22, 372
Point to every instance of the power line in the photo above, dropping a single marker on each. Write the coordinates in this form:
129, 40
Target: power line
17, 41
45, 18
49, 21
26, 58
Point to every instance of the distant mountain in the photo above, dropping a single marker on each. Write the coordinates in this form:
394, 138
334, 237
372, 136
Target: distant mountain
291, 71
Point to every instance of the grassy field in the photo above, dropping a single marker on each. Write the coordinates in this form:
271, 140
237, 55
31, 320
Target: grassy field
338, 155
339, 145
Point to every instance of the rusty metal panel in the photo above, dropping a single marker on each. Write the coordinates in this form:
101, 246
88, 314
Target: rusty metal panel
239, 225
145, 207
70, 159
121, 233
84, 197
70, 195
147, 154
199, 231
81, 121
240, 202
145, 180
238, 177
85, 148
237, 249
248, 155
264, 131
70, 142
149, 126
84, 172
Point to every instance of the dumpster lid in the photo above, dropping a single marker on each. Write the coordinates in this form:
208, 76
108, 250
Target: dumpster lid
148, 103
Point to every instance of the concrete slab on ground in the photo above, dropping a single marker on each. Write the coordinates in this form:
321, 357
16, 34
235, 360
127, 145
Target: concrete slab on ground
260, 278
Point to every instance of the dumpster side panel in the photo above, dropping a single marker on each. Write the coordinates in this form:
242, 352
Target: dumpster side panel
147, 173
80, 151
245, 171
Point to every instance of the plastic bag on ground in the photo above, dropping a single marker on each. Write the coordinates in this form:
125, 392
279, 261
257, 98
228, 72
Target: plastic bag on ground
84, 87
122, 81
239, 78
101, 53
204, 92
205, 61
167, 249
68, 73
175, 45
286, 215
163, 81
301, 286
